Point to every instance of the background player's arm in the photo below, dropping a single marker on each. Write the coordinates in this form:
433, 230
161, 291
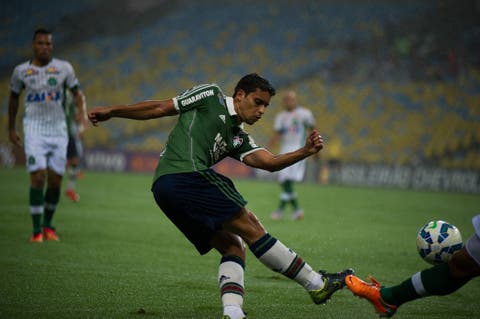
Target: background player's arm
275, 140
266, 160
12, 116
139, 111
80, 101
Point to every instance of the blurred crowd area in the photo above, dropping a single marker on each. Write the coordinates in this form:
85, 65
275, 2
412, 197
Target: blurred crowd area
389, 82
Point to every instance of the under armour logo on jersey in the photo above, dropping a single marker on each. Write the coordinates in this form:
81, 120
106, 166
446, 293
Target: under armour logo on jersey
222, 117
222, 279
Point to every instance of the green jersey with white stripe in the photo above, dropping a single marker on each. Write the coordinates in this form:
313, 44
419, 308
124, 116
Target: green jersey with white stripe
44, 95
206, 132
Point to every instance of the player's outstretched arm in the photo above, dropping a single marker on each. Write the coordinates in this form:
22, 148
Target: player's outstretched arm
139, 111
264, 159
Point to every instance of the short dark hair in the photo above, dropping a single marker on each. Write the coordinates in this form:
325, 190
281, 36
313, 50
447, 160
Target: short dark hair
251, 82
40, 31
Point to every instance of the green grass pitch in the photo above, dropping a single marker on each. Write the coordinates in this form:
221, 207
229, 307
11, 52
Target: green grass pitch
119, 257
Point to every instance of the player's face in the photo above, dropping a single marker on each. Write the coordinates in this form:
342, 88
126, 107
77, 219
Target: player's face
251, 106
290, 101
42, 48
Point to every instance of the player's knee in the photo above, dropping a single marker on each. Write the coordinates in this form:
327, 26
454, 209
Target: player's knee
229, 244
256, 224
54, 179
37, 179
463, 266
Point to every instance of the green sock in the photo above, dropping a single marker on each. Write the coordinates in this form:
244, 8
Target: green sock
439, 281
432, 281
294, 202
37, 223
287, 194
399, 294
47, 218
52, 197
36, 208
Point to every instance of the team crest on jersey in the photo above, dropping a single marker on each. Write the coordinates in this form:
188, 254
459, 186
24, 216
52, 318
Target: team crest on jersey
30, 72
31, 160
237, 141
52, 81
52, 70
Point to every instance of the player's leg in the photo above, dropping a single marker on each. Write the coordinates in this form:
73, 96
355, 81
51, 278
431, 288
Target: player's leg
296, 175
442, 279
36, 166
72, 169
57, 161
36, 201
276, 256
52, 197
231, 273
284, 200
297, 211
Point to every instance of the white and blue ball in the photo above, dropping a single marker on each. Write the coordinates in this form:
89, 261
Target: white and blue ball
437, 241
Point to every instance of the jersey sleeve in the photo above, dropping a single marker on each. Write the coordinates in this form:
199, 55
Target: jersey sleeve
71, 80
196, 97
16, 83
247, 146
277, 125
309, 119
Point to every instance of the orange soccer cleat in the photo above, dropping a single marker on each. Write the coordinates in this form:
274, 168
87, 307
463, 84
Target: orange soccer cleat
37, 238
50, 234
74, 197
371, 292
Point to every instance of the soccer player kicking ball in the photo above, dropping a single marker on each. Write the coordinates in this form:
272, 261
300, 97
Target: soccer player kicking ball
44, 80
440, 280
204, 205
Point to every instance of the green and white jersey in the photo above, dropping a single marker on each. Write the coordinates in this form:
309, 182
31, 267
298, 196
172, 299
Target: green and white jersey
44, 95
206, 132
293, 127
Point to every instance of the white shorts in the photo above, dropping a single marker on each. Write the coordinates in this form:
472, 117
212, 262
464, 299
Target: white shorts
473, 243
292, 173
44, 152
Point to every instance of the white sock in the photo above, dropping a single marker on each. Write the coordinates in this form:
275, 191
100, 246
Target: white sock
234, 312
72, 177
231, 284
417, 284
276, 256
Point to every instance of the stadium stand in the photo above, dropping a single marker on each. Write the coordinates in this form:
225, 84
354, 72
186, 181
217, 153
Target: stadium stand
385, 86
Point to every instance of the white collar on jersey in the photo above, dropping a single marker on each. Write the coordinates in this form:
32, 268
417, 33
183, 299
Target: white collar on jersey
231, 108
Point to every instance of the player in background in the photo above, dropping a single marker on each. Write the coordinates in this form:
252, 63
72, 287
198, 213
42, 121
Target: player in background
439, 280
44, 80
291, 127
204, 205
76, 127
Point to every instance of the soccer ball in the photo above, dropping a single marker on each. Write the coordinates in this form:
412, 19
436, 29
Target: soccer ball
437, 241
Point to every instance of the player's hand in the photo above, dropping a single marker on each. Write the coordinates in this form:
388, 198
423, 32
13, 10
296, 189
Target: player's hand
314, 142
14, 138
99, 114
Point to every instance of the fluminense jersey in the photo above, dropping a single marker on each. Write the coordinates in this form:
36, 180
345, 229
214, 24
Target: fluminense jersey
206, 132
44, 95
293, 127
